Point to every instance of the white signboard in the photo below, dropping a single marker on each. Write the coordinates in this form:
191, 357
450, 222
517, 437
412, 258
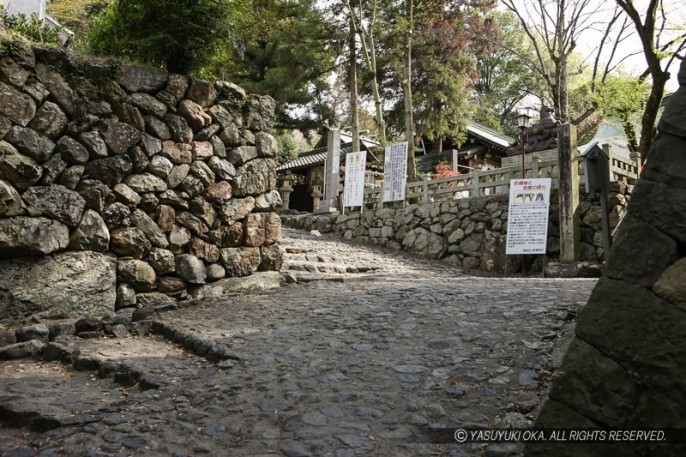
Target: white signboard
395, 172
353, 193
527, 221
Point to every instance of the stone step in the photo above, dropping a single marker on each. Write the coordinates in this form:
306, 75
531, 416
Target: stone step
291, 265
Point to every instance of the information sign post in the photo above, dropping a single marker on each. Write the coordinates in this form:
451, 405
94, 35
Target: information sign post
353, 189
527, 221
395, 172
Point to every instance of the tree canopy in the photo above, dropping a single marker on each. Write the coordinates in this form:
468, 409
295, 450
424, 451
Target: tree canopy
423, 67
181, 35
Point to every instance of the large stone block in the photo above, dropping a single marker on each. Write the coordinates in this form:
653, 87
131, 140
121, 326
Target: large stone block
145, 182
111, 170
11, 203
272, 258
149, 105
129, 241
671, 286
140, 275
424, 243
56, 202
195, 116
72, 151
178, 128
595, 385
177, 153
255, 178
241, 261
151, 230
631, 324
258, 281
141, 79
119, 136
191, 269
255, 230
30, 143
91, 234
236, 209
202, 92
228, 236
663, 205
27, 236
260, 113
18, 107
628, 259
12, 73
18, 169
222, 168
71, 284
272, 228
557, 415
61, 92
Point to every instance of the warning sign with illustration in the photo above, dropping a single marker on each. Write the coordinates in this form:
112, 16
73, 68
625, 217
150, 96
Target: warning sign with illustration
527, 222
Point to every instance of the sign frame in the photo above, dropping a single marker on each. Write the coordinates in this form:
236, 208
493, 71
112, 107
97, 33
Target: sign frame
353, 185
395, 173
528, 216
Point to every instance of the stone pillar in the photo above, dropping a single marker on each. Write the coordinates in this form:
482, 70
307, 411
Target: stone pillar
332, 172
286, 190
316, 197
569, 194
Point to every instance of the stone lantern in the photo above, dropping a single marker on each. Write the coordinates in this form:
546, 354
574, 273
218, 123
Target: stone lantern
286, 189
316, 194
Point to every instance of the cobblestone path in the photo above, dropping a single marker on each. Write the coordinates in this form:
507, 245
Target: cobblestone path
366, 354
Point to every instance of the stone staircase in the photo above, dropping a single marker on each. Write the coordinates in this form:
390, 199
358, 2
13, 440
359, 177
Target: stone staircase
310, 258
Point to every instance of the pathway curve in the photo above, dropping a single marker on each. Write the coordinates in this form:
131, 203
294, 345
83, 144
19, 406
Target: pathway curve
366, 355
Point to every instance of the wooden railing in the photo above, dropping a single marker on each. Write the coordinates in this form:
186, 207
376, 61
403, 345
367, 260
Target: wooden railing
490, 182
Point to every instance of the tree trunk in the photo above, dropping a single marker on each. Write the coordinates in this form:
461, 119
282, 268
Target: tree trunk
380, 125
352, 81
369, 54
563, 92
650, 114
407, 92
437, 144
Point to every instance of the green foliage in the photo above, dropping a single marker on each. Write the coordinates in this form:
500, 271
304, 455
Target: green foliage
76, 15
180, 35
288, 148
285, 49
505, 76
31, 28
624, 97
444, 33
622, 93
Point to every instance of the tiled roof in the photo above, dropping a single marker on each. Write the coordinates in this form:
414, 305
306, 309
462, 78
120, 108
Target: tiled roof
308, 159
318, 156
490, 135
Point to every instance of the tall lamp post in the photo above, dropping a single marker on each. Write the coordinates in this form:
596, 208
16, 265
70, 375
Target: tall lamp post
523, 121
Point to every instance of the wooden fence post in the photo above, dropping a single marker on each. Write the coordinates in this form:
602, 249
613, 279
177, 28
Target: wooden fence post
475, 183
425, 189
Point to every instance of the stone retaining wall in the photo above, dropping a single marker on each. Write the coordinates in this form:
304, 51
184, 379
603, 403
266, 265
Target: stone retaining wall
123, 186
468, 232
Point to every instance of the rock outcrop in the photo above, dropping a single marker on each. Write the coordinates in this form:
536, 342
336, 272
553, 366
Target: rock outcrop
626, 368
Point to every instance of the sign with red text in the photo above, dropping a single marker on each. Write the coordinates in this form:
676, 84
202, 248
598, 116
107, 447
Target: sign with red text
355, 164
527, 221
395, 172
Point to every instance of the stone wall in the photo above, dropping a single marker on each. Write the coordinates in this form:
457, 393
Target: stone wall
468, 232
626, 368
124, 186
